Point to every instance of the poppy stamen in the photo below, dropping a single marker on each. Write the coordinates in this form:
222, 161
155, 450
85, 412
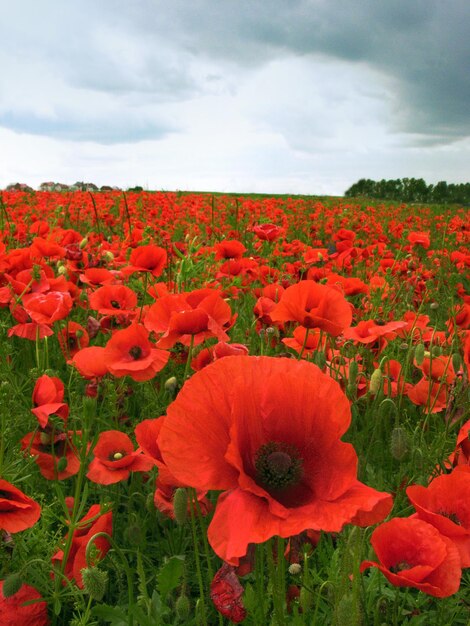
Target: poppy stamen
399, 567
135, 352
278, 465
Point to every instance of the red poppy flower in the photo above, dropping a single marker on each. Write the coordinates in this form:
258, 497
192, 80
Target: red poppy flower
48, 389
420, 239
445, 504
91, 362
48, 394
190, 317
17, 511
369, 331
31, 331
461, 455
114, 300
227, 430
92, 523
226, 594
72, 338
412, 553
93, 276
315, 341
56, 456
150, 258
18, 608
314, 306
115, 458
267, 232
146, 434
229, 249
130, 353
393, 381
41, 248
47, 308
430, 395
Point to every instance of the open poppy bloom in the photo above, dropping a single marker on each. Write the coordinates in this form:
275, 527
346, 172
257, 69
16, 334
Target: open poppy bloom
369, 331
17, 511
114, 300
18, 609
445, 504
56, 456
72, 338
115, 458
95, 521
149, 258
313, 305
412, 553
130, 353
47, 308
189, 318
267, 432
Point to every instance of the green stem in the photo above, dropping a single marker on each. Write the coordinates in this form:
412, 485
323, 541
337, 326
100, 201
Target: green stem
198, 562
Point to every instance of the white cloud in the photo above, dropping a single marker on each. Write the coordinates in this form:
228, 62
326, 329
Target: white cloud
142, 93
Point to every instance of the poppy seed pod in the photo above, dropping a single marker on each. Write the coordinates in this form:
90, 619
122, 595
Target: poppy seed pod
419, 353
399, 443
95, 582
180, 505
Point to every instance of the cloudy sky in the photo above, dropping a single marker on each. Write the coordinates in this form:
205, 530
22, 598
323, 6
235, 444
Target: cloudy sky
273, 96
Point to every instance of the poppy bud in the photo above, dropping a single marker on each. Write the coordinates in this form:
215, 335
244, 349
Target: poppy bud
456, 362
419, 353
95, 582
62, 464
171, 384
150, 504
45, 438
83, 243
353, 372
182, 607
62, 270
399, 443
134, 534
375, 382
436, 350
11, 585
434, 305
348, 611
180, 505
108, 256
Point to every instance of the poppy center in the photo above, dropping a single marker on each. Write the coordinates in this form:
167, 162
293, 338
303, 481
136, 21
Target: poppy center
278, 465
135, 352
117, 456
115, 304
399, 567
452, 516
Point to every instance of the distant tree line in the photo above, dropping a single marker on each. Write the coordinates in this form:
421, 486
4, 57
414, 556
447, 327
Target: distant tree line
411, 190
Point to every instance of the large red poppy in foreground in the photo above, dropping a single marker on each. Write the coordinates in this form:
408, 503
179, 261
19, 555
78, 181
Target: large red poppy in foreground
267, 432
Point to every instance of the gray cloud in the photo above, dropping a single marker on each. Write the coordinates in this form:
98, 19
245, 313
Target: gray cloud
423, 45
153, 52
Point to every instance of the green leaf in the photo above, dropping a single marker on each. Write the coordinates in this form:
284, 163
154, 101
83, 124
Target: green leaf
170, 575
111, 614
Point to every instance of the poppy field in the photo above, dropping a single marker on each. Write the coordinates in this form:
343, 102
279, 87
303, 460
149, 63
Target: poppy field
223, 409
